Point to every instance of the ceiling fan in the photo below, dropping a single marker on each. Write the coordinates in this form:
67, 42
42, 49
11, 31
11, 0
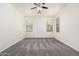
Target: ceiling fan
39, 6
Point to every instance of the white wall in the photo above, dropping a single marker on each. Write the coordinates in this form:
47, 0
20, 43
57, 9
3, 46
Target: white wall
69, 25
11, 26
39, 26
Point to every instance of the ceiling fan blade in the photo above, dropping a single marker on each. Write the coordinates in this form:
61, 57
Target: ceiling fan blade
33, 7
43, 3
35, 3
44, 7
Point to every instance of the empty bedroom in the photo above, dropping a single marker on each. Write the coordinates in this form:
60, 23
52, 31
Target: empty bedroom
39, 29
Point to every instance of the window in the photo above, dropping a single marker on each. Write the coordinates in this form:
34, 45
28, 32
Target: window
53, 24
49, 25
29, 27
57, 25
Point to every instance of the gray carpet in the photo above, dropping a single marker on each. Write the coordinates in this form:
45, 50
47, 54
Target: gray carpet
39, 47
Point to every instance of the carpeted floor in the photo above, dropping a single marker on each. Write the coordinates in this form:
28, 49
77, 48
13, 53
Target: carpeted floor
39, 47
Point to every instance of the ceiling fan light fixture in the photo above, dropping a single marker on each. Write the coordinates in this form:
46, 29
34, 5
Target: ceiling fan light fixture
39, 7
